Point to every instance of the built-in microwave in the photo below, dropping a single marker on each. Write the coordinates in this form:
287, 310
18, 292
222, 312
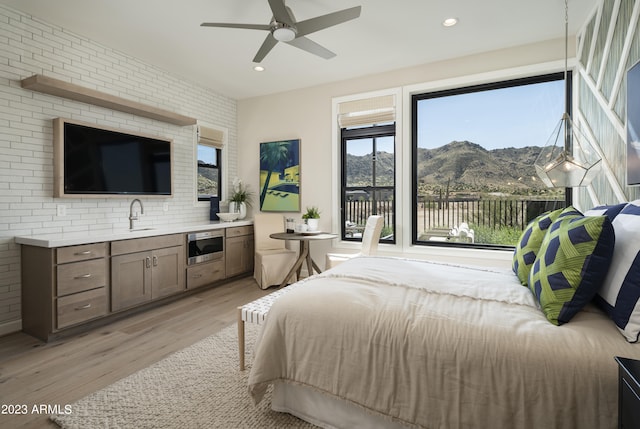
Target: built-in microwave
205, 246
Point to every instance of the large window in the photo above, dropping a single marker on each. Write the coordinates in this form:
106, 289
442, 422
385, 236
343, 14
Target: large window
208, 172
368, 180
474, 183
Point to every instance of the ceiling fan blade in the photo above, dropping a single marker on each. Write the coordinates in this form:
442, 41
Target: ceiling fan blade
312, 47
266, 47
243, 26
321, 22
280, 12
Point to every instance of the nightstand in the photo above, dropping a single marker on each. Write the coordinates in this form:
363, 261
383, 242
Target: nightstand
628, 393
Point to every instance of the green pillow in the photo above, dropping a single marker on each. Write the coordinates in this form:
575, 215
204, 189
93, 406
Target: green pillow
529, 243
572, 263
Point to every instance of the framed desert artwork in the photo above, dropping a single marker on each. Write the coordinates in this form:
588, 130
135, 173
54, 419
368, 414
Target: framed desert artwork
280, 176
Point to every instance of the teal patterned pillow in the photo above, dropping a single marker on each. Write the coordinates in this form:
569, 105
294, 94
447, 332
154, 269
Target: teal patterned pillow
572, 263
529, 243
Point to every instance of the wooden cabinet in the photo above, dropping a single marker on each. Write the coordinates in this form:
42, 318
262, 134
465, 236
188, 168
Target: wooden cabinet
239, 251
145, 269
205, 273
81, 307
63, 287
130, 280
66, 287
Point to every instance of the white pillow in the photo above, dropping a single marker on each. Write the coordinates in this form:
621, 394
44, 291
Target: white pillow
619, 295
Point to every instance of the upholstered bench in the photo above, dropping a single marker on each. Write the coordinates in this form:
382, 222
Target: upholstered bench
255, 312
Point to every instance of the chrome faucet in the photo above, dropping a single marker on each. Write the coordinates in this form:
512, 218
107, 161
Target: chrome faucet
133, 217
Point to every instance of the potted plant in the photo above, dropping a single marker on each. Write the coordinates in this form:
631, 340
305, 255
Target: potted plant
312, 218
240, 198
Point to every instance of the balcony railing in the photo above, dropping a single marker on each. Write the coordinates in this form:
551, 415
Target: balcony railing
437, 216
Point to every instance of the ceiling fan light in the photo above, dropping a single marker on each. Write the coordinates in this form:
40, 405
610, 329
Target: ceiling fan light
284, 34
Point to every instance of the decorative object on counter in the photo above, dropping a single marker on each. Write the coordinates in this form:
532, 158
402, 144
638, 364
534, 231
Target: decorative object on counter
214, 208
312, 218
280, 176
229, 217
240, 199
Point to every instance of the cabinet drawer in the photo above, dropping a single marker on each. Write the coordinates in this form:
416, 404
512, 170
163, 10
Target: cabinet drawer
237, 231
81, 252
81, 276
81, 307
122, 247
204, 274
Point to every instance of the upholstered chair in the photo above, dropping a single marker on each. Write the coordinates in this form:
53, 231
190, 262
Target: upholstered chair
272, 258
370, 239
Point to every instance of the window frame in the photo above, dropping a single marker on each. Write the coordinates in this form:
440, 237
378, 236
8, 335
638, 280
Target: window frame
466, 89
218, 166
372, 132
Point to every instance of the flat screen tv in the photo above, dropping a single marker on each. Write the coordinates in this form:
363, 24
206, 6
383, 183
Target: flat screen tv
633, 125
100, 161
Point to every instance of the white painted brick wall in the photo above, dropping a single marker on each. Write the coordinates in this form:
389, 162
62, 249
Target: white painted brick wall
29, 46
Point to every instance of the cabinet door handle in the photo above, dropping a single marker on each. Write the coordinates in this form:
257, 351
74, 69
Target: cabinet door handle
86, 252
148, 262
82, 276
196, 276
155, 261
84, 307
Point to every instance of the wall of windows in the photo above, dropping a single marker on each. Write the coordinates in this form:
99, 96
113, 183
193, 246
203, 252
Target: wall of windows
473, 149
368, 180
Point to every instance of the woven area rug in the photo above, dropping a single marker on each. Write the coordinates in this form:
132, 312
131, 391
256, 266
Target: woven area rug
198, 387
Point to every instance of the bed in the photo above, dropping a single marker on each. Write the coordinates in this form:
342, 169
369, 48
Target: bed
393, 342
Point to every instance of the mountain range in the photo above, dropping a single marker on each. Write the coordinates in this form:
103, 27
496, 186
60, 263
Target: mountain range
461, 167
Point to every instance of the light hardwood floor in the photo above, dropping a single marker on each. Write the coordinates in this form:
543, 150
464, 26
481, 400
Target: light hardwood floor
61, 372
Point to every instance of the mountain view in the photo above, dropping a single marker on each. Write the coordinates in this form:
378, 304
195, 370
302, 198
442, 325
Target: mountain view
207, 179
462, 168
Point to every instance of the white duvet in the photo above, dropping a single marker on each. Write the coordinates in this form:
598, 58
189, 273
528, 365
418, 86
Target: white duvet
441, 346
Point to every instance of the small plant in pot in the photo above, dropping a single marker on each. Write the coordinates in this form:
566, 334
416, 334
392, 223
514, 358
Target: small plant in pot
312, 218
240, 199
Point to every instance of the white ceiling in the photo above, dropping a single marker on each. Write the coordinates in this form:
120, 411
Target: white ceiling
388, 35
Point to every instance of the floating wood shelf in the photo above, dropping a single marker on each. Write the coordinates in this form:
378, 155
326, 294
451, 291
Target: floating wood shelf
71, 91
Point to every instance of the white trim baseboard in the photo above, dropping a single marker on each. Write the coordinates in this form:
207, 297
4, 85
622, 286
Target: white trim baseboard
10, 327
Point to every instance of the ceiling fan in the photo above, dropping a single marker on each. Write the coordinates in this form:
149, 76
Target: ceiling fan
285, 28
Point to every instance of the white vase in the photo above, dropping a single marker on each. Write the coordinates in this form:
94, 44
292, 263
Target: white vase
313, 224
240, 208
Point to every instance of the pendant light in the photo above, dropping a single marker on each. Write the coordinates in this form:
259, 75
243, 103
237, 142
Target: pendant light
568, 159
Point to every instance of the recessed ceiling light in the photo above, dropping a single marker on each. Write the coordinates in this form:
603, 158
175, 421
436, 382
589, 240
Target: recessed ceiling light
258, 68
450, 22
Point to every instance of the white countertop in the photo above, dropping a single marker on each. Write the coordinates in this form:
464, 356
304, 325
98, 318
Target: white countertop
85, 237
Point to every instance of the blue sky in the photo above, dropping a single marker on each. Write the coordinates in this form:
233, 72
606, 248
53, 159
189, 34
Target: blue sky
509, 117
